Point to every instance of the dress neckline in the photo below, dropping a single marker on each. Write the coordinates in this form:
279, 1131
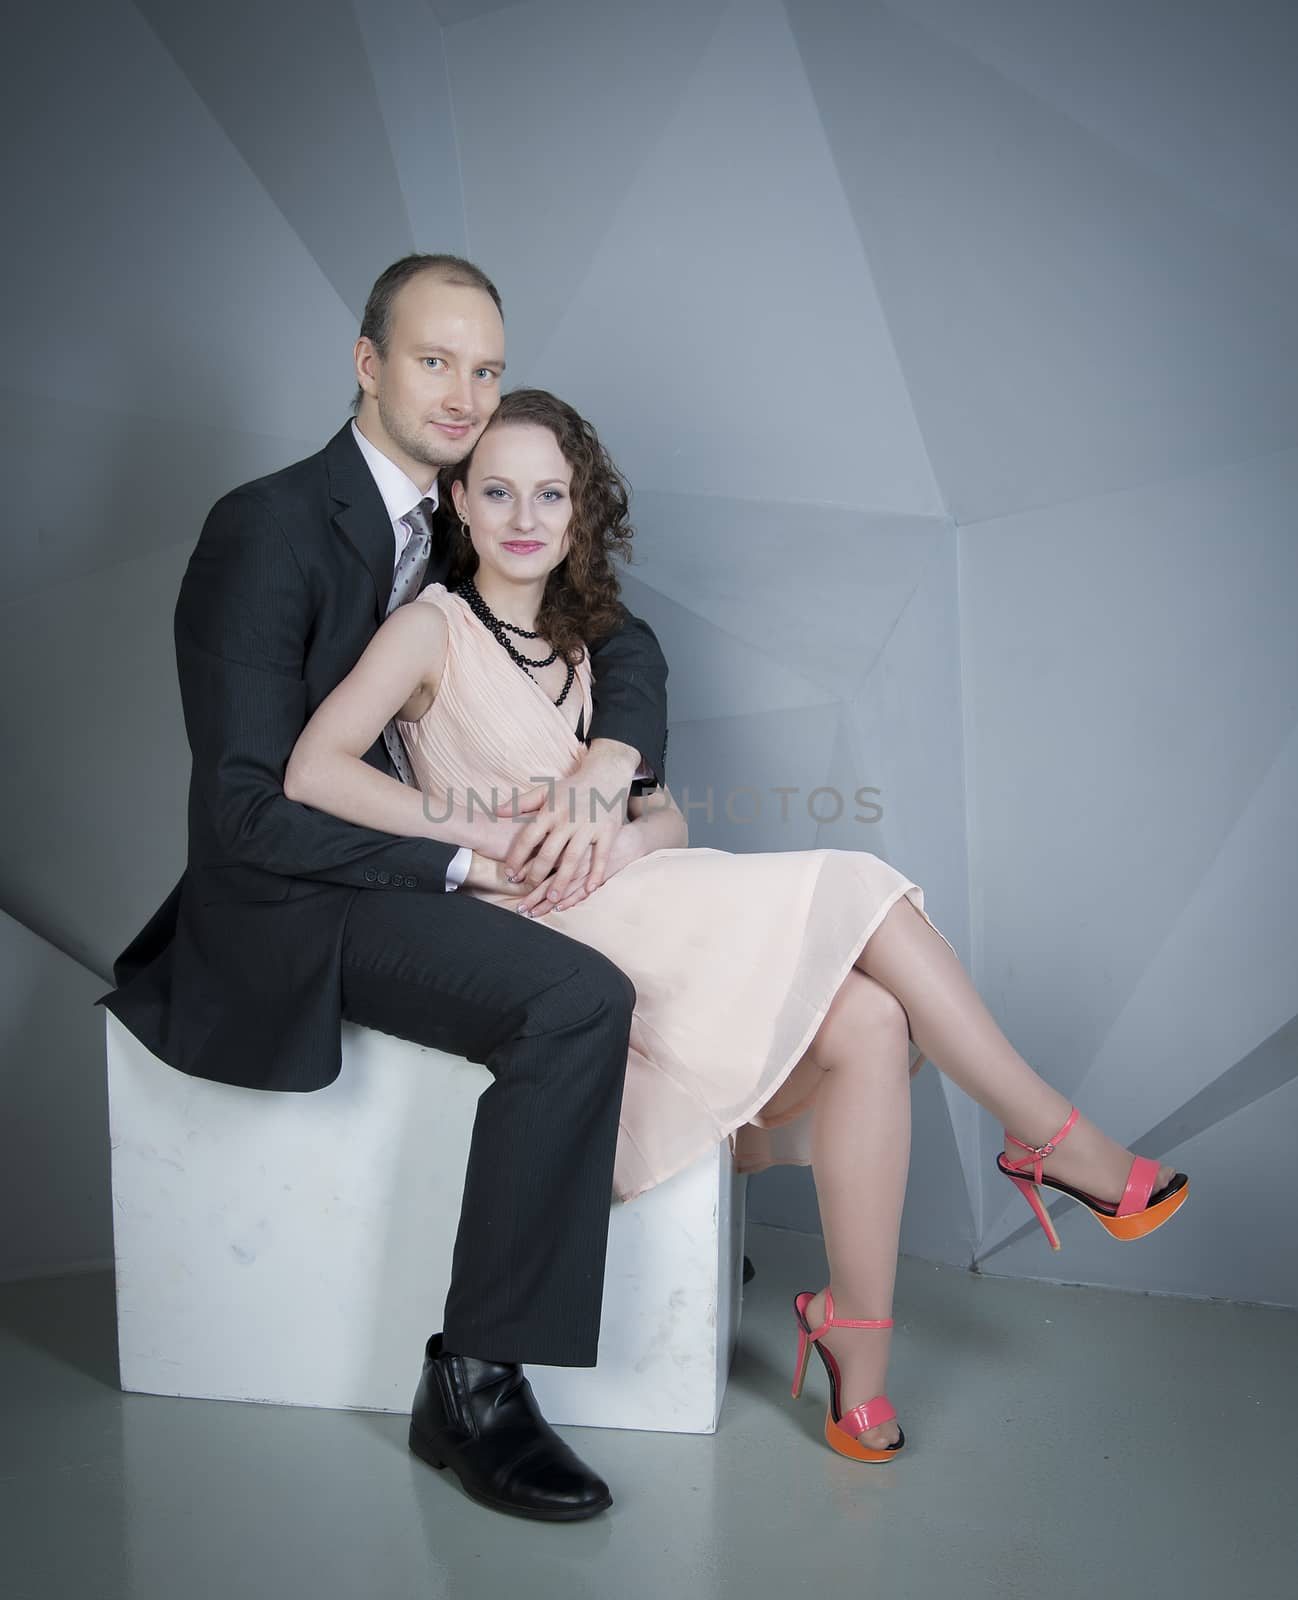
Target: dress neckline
577, 732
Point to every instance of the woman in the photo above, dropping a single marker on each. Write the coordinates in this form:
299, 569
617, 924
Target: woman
777, 993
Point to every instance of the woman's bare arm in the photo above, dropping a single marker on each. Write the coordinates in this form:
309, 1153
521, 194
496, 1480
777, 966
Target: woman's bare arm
397, 675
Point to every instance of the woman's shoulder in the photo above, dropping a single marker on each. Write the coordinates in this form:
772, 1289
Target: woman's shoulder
419, 638
444, 599
421, 623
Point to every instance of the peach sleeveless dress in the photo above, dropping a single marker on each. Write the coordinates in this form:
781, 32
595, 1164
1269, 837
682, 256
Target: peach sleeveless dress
735, 958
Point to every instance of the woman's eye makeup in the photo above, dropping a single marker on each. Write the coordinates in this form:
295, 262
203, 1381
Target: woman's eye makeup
492, 491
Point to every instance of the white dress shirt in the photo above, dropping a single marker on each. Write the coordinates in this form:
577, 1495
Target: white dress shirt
400, 497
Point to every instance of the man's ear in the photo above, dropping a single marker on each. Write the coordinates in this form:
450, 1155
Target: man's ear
366, 359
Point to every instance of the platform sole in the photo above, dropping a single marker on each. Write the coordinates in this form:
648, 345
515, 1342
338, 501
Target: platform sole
852, 1449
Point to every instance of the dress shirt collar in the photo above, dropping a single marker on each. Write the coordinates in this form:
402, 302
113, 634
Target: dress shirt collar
400, 493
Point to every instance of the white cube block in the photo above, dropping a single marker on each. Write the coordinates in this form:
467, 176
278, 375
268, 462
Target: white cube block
295, 1249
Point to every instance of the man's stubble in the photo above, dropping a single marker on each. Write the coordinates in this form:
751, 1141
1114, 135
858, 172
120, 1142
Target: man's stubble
418, 447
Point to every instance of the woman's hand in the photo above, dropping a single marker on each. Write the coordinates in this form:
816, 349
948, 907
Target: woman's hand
629, 845
485, 872
573, 823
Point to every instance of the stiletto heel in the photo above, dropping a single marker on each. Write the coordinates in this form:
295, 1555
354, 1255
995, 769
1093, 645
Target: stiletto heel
1139, 1211
804, 1355
1028, 1190
841, 1429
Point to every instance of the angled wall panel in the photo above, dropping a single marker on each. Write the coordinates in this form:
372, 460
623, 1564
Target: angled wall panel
730, 298
556, 107
54, 1180
1068, 321
290, 85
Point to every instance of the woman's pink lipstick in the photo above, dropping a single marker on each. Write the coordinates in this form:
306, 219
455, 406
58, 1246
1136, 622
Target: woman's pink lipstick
522, 547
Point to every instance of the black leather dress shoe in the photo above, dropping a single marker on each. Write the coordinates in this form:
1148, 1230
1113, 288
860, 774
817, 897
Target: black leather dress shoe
481, 1419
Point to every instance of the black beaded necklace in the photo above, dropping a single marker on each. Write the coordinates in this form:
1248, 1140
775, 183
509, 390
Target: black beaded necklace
499, 628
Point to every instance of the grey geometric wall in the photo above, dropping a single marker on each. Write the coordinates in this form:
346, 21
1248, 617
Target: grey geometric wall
952, 352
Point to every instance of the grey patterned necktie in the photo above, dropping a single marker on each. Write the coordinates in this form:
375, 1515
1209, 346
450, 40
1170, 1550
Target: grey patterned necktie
406, 580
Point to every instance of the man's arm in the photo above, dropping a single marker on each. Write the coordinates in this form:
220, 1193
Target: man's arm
241, 625
629, 692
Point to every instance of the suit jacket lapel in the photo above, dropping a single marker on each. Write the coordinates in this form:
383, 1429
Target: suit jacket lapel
359, 513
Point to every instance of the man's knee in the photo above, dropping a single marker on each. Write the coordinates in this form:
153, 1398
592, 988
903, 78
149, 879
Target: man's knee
604, 987
595, 994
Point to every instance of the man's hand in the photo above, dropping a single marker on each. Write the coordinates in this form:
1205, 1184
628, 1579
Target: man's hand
573, 824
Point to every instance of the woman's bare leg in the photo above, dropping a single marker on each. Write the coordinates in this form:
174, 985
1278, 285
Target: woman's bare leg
907, 984
952, 1026
860, 1157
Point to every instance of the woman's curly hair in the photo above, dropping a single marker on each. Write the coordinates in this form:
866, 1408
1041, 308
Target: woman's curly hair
581, 602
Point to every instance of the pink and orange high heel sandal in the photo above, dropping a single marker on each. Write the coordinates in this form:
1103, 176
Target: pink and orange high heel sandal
1139, 1211
840, 1430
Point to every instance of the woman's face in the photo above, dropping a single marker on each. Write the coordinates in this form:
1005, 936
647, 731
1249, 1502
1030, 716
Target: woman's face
517, 501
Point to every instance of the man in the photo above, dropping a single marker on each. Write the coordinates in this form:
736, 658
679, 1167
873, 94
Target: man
287, 919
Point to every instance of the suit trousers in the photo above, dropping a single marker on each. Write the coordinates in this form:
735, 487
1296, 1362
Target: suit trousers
550, 1018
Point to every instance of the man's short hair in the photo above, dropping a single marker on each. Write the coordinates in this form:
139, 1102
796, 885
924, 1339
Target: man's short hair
376, 323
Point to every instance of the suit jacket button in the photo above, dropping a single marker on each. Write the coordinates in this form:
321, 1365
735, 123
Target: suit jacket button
370, 874
412, 883
383, 877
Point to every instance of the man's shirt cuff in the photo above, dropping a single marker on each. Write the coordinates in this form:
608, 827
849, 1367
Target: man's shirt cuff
458, 870
643, 779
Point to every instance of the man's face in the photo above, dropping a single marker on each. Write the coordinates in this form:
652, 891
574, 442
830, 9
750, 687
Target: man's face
427, 401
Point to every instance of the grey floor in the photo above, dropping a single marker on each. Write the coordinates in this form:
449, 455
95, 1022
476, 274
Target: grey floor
1061, 1442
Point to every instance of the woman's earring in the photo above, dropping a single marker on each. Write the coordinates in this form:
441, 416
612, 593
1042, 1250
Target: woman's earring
464, 528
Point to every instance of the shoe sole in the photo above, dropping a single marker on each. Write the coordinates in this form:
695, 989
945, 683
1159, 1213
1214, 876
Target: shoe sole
851, 1448
427, 1452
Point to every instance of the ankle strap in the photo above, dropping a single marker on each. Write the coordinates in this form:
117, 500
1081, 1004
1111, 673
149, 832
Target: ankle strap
1037, 1152
831, 1321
